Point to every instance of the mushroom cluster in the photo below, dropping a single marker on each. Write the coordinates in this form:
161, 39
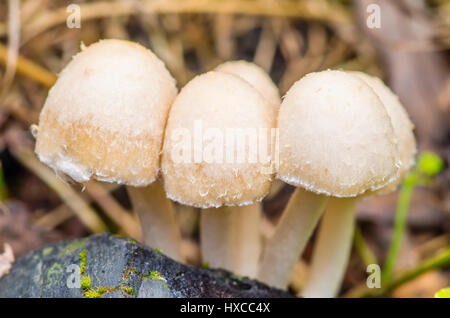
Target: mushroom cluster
115, 115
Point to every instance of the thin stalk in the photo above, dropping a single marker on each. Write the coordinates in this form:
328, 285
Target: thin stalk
363, 248
441, 260
285, 247
332, 250
399, 230
157, 217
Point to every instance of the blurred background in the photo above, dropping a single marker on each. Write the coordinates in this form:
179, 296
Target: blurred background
405, 42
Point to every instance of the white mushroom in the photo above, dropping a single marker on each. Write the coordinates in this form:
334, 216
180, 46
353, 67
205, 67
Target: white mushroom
207, 109
336, 140
104, 119
249, 216
336, 231
256, 76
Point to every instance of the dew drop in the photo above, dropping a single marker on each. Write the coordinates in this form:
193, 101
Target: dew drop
34, 129
203, 193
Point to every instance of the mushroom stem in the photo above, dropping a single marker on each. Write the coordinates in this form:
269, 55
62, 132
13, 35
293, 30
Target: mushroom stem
332, 250
248, 246
217, 237
157, 217
230, 238
284, 248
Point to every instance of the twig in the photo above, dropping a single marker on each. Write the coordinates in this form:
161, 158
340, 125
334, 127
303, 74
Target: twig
55, 217
28, 68
362, 248
119, 215
85, 213
318, 10
13, 44
62, 213
436, 262
267, 44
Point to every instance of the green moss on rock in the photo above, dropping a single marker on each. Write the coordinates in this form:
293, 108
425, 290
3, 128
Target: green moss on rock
47, 251
72, 247
83, 254
85, 282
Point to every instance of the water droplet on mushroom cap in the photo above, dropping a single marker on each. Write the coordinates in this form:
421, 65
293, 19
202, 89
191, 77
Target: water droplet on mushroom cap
110, 104
220, 101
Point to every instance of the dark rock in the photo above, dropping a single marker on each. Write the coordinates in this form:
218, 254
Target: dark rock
118, 267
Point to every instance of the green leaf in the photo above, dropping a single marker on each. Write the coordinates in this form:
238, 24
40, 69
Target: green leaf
443, 293
429, 163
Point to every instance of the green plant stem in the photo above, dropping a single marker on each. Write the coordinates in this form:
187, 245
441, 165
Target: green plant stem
363, 248
401, 213
436, 262
439, 261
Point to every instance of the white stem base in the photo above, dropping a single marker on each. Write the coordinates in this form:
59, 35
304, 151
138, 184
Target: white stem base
248, 245
332, 250
284, 248
217, 237
157, 217
230, 238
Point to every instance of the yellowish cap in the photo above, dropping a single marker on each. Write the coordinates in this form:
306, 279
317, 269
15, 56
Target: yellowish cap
104, 118
207, 110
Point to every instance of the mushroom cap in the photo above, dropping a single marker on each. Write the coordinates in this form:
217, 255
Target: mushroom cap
403, 127
218, 103
336, 137
256, 76
104, 118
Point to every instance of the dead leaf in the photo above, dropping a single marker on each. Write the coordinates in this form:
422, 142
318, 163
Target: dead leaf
6, 259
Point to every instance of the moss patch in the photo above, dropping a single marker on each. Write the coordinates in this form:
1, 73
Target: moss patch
205, 265
102, 290
54, 271
72, 247
83, 254
85, 282
92, 293
47, 251
127, 290
154, 275
158, 250
89, 292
